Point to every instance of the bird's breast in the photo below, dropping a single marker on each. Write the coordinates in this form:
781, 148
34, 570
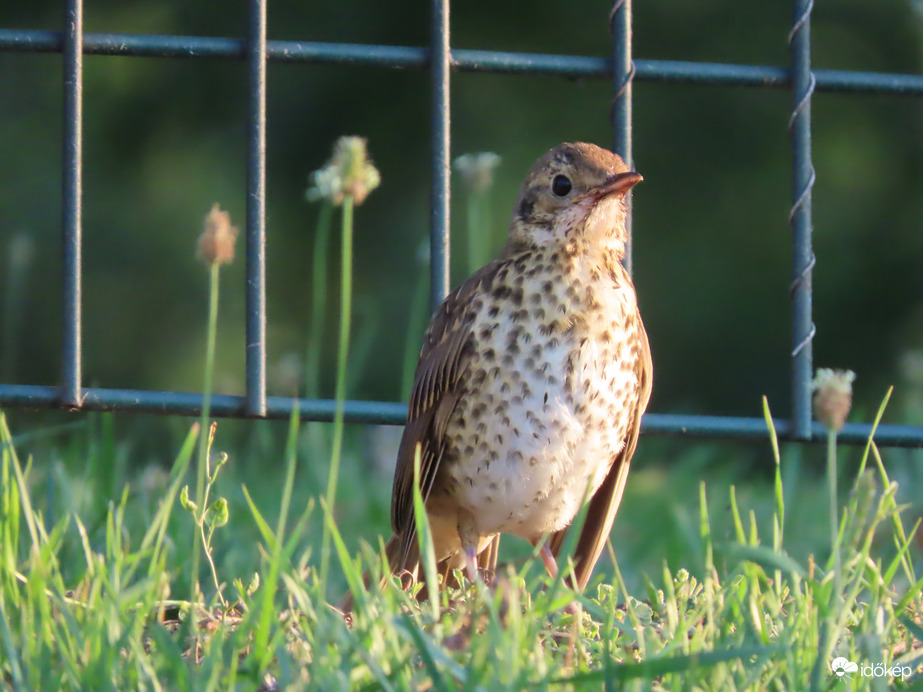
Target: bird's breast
547, 399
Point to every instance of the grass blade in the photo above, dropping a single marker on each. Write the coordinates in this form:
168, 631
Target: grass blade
425, 539
657, 666
765, 557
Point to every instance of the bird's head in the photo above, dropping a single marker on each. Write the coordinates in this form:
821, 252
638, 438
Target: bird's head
575, 190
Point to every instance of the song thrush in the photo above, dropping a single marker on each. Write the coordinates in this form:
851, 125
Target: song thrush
532, 380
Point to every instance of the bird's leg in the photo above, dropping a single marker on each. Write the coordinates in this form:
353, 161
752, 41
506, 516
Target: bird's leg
471, 563
548, 558
572, 608
468, 534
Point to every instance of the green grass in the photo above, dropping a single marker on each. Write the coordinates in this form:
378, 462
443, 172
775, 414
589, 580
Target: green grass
728, 586
725, 580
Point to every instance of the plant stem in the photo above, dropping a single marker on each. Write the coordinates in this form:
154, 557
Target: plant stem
342, 358
206, 409
318, 301
834, 521
478, 229
20, 257
267, 613
485, 227
415, 327
474, 232
208, 556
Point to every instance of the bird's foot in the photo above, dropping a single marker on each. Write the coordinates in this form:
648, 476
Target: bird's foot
548, 558
471, 564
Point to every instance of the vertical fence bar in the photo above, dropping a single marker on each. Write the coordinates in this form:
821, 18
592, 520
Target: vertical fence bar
440, 62
256, 211
803, 259
623, 73
70, 204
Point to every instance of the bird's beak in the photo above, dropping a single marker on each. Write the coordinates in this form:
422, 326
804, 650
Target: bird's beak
618, 184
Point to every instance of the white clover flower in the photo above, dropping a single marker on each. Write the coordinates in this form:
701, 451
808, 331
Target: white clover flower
216, 244
349, 172
422, 255
22, 248
832, 396
477, 170
287, 374
326, 183
911, 367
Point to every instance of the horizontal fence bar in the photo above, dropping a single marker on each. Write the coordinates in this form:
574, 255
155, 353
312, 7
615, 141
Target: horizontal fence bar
410, 57
681, 425
190, 404
394, 413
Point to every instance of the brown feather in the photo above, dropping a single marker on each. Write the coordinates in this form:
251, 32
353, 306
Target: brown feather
447, 348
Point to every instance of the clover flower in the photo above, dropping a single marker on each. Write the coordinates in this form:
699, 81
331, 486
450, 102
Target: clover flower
477, 170
832, 396
348, 172
216, 244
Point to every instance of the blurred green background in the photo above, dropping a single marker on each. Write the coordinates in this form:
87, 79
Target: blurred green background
165, 138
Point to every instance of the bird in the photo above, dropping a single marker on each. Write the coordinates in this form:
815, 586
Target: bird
531, 383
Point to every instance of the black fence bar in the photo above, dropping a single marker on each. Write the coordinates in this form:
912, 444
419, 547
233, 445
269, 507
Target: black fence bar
190, 404
800, 217
256, 212
623, 73
71, 204
411, 57
674, 425
440, 60
393, 413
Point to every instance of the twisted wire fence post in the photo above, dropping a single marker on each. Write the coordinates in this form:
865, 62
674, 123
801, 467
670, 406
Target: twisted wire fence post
803, 260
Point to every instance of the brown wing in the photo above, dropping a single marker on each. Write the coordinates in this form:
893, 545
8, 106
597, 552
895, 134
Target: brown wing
605, 502
447, 348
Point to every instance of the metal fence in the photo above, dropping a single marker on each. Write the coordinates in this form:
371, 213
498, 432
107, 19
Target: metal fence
440, 60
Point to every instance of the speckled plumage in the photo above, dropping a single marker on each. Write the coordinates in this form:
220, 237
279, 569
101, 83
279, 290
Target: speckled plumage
532, 379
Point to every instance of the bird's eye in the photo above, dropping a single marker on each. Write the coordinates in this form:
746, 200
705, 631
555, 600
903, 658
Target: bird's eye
561, 185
